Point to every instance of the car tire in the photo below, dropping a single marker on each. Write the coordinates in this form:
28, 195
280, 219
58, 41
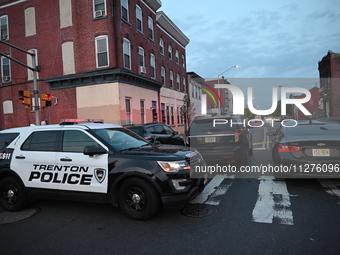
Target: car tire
12, 194
138, 199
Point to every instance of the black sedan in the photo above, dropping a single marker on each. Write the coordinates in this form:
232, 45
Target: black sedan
156, 132
307, 149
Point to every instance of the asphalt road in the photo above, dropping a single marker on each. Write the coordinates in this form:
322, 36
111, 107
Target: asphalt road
233, 215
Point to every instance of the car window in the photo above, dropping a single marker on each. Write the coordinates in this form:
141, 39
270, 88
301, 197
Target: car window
6, 139
168, 130
151, 130
42, 141
120, 138
75, 141
137, 130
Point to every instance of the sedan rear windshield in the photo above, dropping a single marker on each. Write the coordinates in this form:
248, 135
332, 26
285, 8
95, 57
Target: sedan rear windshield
315, 130
207, 125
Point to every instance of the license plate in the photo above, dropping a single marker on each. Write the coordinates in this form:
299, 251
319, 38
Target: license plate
210, 139
321, 152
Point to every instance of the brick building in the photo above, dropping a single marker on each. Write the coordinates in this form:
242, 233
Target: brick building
329, 70
122, 61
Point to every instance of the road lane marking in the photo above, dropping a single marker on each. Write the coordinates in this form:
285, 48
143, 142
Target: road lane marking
331, 187
212, 190
273, 202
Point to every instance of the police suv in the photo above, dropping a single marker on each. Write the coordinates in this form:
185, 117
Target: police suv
95, 162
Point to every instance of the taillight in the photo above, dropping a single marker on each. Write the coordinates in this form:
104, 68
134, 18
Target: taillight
288, 148
237, 136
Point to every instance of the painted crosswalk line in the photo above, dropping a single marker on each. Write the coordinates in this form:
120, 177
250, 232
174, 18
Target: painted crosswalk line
331, 187
273, 202
214, 189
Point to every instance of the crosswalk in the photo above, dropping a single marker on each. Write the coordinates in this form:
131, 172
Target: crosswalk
273, 200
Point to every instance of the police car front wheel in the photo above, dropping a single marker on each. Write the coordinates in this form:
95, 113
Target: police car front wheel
12, 194
138, 199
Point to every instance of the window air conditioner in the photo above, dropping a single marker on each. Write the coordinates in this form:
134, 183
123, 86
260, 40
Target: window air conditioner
142, 69
99, 13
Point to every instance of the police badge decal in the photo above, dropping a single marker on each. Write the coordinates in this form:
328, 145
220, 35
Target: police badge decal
100, 174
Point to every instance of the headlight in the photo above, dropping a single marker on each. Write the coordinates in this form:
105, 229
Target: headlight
174, 166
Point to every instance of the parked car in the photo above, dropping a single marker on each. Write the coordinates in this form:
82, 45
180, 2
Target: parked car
222, 138
157, 132
332, 119
95, 162
309, 149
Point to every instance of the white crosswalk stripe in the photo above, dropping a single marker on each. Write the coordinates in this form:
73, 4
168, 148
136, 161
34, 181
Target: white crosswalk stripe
332, 187
273, 202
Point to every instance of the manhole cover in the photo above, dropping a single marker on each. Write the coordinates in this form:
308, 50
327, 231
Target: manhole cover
10, 217
199, 211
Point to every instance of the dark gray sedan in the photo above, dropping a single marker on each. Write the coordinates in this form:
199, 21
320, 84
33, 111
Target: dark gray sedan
308, 149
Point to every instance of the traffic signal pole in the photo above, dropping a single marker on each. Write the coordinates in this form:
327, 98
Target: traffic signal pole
35, 69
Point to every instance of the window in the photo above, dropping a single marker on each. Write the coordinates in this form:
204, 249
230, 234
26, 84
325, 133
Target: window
140, 56
163, 75
5, 70
172, 114
6, 139
150, 28
76, 141
163, 113
42, 141
178, 115
183, 61
139, 21
99, 8
178, 82
152, 66
168, 115
177, 57
125, 10
184, 85
128, 110
30, 22
127, 53
170, 51
102, 51
4, 28
161, 46
171, 79
142, 111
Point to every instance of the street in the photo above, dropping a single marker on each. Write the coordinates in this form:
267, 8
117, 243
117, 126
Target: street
231, 216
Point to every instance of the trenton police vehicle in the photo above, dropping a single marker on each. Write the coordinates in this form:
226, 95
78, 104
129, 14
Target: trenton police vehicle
95, 162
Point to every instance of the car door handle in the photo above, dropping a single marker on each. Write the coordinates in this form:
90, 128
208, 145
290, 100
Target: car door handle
65, 159
20, 157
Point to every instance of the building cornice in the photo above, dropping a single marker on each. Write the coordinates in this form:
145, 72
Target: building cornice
101, 77
166, 23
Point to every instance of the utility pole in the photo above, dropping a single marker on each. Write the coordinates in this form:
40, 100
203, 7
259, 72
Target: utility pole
35, 70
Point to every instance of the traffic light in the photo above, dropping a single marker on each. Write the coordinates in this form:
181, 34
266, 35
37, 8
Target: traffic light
45, 100
25, 98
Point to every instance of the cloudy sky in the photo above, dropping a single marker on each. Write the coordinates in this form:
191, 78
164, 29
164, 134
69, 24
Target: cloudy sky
266, 38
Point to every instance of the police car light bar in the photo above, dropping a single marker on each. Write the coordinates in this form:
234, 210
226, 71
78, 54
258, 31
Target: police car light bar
73, 121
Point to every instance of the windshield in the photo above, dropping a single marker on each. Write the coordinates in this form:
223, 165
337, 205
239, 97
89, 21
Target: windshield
120, 138
207, 125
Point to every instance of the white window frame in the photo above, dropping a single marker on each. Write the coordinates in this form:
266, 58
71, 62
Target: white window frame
161, 46
141, 53
184, 85
177, 57
128, 114
170, 52
126, 52
150, 28
171, 76
178, 82
152, 66
125, 5
163, 75
4, 36
139, 17
3, 74
98, 38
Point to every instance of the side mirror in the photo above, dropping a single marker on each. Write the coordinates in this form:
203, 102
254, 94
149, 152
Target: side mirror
175, 133
92, 150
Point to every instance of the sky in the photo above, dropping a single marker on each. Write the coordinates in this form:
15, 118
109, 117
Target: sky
266, 38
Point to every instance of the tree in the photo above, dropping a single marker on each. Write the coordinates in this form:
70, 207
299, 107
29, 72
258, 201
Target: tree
187, 111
